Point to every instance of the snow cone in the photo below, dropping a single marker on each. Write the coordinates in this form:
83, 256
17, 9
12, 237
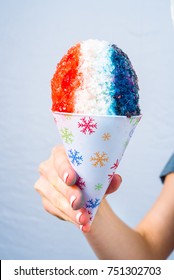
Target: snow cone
95, 104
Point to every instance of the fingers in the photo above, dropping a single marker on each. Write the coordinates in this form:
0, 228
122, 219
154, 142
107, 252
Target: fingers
73, 194
84, 226
63, 166
55, 203
60, 196
115, 184
53, 210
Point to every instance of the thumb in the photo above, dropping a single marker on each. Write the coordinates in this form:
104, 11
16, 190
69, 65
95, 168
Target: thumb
114, 184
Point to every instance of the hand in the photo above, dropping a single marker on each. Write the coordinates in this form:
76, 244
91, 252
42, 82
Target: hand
60, 196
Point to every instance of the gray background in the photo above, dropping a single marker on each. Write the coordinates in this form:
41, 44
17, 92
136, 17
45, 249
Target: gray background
33, 37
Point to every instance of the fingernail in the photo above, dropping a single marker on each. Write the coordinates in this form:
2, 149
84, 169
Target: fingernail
120, 179
78, 217
72, 199
81, 227
65, 176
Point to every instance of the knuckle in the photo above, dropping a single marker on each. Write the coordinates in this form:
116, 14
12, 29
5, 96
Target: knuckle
37, 185
43, 166
56, 149
61, 165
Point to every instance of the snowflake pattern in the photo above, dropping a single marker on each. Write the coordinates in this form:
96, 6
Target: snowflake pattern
87, 125
106, 136
75, 157
136, 120
131, 119
68, 117
74, 131
89, 212
98, 187
91, 216
67, 135
110, 176
99, 159
115, 165
93, 203
80, 183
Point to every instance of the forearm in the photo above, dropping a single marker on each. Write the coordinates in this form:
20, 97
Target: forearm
110, 238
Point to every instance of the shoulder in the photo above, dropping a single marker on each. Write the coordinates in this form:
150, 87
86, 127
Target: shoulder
168, 168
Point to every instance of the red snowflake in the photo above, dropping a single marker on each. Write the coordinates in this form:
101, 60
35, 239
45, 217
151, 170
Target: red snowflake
90, 214
91, 218
115, 165
110, 176
80, 183
87, 124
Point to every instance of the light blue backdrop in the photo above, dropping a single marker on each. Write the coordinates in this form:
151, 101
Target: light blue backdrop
34, 34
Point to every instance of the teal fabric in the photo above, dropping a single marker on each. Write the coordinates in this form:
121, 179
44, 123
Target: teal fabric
169, 168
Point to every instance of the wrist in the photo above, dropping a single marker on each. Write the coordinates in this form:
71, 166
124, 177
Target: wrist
102, 218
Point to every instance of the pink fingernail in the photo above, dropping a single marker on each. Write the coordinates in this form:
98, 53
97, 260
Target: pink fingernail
78, 217
72, 199
65, 176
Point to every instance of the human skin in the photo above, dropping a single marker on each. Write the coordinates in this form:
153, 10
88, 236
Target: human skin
109, 236
60, 196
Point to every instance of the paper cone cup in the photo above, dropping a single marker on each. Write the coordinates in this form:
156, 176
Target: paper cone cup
95, 146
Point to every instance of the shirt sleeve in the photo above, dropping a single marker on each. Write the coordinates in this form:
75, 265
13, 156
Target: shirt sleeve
169, 168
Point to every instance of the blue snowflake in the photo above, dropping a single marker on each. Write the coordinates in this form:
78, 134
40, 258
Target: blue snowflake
91, 203
74, 157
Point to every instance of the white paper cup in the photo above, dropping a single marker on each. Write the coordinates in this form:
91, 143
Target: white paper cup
94, 146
